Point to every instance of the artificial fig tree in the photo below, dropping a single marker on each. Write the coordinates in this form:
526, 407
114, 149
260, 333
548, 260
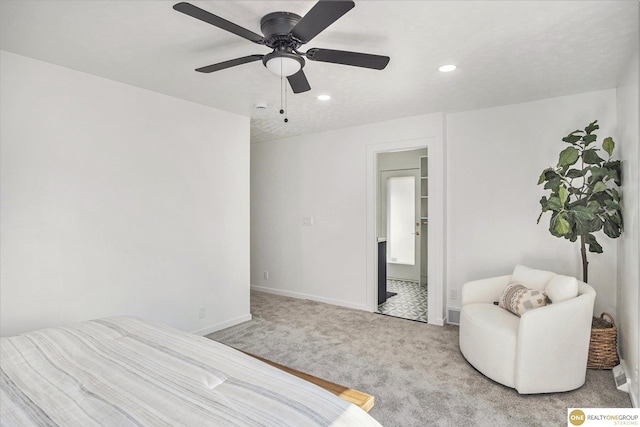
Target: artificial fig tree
583, 197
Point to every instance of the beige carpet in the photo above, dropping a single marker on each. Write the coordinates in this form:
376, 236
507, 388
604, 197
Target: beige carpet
414, 370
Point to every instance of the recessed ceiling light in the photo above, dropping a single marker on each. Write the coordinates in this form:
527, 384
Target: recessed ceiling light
324, 97
447, 68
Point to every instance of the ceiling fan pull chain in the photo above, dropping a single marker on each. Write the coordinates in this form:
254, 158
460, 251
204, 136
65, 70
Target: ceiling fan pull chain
281, 88
286, 108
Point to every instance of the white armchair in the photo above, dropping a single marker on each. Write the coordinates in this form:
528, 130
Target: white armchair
543, 351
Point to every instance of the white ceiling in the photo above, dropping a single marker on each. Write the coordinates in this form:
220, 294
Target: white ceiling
506, 52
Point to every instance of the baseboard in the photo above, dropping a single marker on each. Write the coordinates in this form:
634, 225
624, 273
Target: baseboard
223, 325
300, 295
439, 322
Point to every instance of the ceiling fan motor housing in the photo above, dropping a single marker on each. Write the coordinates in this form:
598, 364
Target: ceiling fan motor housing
276, 27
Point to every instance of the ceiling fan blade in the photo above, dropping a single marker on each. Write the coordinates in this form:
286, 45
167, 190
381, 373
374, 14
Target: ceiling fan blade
299, 82
231, 63
210, 18
356, 59
321, 15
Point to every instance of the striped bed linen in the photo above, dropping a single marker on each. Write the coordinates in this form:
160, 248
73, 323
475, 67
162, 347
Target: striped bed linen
125, 371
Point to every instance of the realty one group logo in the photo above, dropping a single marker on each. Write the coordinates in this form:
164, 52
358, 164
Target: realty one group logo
603, 417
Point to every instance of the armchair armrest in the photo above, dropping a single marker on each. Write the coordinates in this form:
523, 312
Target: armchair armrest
484, 290
550, 336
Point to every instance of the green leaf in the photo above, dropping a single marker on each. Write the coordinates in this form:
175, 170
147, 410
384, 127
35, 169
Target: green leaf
594, 246
554, 203
608, 145
611, 229
541, 179
568, 156
616, 172
582, 228
546, 175
588, 139
562, 226
584, 219
591, 157
592, 126
577, 173
616, 217
598, 187
594, 225
562, 194
553, 184
600, 199
615, 194
613, 205
550, 173
583, 213
598, 173
572, 138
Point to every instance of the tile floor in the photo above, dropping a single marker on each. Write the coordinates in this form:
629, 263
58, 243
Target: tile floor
410, 303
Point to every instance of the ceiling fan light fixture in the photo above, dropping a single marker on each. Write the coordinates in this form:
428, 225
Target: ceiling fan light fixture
283, 64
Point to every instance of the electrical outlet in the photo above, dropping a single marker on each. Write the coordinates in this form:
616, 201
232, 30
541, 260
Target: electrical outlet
265, 275
202, 312
453, 294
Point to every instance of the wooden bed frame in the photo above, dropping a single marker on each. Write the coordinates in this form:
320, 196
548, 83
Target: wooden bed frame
363, 400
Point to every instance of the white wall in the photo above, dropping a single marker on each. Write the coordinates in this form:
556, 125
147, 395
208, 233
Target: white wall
494, 159
629, 258
117, 200
323, 176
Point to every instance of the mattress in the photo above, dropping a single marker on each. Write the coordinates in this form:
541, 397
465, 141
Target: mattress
125, 371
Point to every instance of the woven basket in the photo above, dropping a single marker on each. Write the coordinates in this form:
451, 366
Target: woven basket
603, 348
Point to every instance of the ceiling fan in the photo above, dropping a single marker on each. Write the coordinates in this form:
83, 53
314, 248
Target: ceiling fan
285, 32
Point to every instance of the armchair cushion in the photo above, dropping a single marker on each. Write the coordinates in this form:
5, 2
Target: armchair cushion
562, 288
519, 299
489, 341
531, 278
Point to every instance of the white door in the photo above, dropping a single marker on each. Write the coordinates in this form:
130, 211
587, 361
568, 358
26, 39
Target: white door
400, 197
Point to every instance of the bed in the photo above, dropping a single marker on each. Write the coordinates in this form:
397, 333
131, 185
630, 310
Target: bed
125, 371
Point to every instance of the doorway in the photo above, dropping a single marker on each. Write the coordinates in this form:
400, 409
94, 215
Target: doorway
433, 128
402, 212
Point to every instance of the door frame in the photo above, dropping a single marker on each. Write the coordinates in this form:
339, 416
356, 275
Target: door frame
435, 228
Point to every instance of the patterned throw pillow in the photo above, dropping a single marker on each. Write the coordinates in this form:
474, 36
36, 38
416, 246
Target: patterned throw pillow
519, 299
